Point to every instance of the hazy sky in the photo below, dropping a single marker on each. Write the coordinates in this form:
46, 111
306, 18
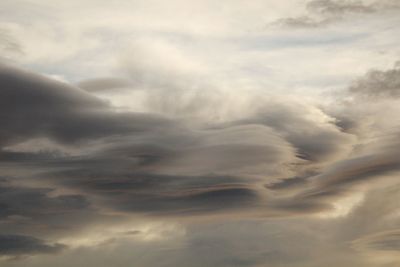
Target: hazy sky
197, 133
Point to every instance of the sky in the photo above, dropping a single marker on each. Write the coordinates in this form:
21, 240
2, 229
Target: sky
193, 133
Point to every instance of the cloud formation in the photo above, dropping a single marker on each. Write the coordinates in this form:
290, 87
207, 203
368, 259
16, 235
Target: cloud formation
53, 109
140, 135
324, 12
137, 163
378, 84
18, 245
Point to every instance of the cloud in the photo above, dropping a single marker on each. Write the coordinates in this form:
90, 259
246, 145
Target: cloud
288, 183
325, 12
36, 202
20, 245
311, 132
302, 22
104, 85
43, 212
170, 169
384, 241
182, 169
35, 106
200, 148
131, 162
177, 170
342, 179
372, 160
339, 7
378, 84
141, 163
9, 46
128, 191
148, 64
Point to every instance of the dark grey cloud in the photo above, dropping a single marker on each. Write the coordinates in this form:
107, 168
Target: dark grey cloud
189, 202
288, 183
146, 165
340, 180
35, 106
384, 241
340, 7
228, 171
239, 243
303, 22
378, 84
12, 156
43, 212
21, 245
36, 202
156, 194
389, 242
142, 165
373, 158
324, 12
315, 140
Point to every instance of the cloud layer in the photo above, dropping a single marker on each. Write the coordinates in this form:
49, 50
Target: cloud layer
134, 135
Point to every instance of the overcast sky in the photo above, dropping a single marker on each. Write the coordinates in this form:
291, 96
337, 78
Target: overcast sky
193, 133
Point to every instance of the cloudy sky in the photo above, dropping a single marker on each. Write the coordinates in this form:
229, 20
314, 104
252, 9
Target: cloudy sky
193, 133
